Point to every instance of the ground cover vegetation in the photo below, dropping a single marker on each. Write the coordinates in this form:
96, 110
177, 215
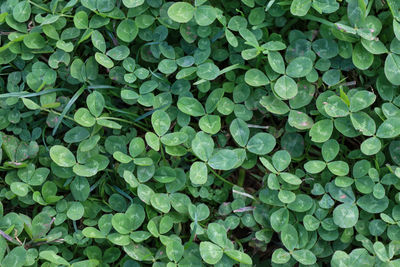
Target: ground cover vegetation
192, 133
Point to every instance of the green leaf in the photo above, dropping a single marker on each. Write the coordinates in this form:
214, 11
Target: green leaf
299, 67
92, 232
224, 159
62, 156
314, 166
300, 120
84, 117
22, 11
174, 139
239, 256
52, 257
95, 102
339, 168
198, 173
181, 12
161, 202
371, 146
392, 68
210, 252
132, 3
207, 71
217, 234
190, 106
289, 237
81, 20
15, 258
362, 59
380, 250
261, 143
336, 107
300, 7
34, 40
239, 131
255, 78
285, 87
127, 30
345, 215
210, 124
371, 204
203, 146
118, 53
321, 131
280, 256
390, 128
20, 189
205, 15
75, 211
98, 41
304, 256
104, 60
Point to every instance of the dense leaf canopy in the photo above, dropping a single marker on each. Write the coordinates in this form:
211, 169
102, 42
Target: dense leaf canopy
199, 132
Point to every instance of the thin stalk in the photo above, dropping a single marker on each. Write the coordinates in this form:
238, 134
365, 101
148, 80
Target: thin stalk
126, 121
220, 177
242, 174
369, 7
320, 20
39, 6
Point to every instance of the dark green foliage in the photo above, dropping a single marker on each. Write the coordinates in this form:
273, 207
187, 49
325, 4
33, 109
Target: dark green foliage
201, 132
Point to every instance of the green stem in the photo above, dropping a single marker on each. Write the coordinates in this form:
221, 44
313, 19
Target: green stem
369, 7
162, 154
242, 174
220, 177
320, 20
57, 113
39, 6
126, 121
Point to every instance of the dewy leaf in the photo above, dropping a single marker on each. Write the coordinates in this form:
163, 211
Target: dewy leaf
181, 12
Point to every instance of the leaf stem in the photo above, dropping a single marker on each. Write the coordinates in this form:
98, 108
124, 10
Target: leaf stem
220, 177
320, 20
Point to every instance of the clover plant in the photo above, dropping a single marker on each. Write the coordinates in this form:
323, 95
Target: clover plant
199, 133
